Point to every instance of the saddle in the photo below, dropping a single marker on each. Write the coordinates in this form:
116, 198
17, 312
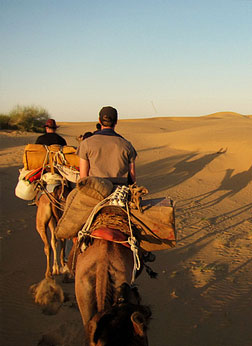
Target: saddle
110, 234
101, 232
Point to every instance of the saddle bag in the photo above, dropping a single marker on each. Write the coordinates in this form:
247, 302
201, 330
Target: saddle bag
155, 225
34, 156
80, 203
38, 155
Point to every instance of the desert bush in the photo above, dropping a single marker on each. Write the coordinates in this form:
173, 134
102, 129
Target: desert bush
4, 121
28, 118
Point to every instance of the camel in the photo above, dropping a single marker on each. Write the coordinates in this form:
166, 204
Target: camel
102, 270
48, 214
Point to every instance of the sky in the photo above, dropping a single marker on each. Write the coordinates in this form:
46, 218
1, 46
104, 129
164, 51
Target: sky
147, 58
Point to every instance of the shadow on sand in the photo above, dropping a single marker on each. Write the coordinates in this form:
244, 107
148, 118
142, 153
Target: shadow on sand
169, 172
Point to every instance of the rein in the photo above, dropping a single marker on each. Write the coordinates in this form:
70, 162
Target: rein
55, 202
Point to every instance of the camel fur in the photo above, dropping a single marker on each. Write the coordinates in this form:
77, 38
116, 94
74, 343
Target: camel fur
101, 270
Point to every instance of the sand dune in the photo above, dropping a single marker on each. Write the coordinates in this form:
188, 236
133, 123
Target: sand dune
203, 292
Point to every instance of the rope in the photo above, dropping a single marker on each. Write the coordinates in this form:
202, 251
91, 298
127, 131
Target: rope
134, 248
39, 184
60, 157
85, 229
45, 161
76, 248
62, 189
51, 198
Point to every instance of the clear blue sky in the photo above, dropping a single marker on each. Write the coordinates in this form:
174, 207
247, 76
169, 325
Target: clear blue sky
144, 57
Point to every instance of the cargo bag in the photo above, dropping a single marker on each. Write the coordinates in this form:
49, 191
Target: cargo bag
25, 189
155, 225
80, 203
38, 155
69, 157
35, 156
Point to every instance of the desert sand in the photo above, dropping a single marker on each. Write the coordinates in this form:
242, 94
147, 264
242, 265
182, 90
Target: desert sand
203, 293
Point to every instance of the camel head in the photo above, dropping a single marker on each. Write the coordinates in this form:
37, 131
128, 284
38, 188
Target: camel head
125, 324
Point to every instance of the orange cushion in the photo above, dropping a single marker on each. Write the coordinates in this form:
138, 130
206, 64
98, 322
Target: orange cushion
110, 234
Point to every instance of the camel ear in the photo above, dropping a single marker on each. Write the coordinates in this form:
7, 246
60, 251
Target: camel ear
138, 322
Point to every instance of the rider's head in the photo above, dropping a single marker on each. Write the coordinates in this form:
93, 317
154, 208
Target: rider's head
51, 125
108, 116
98, 127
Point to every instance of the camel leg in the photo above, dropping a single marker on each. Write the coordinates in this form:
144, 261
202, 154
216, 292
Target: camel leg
55, 266
85, 292
42, 219
86, 302
85, 296
62, 252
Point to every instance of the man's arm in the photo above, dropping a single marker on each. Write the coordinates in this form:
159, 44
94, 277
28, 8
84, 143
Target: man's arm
84, 168
132, 171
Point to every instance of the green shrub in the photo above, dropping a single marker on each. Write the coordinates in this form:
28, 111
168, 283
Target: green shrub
28, 118
4, 121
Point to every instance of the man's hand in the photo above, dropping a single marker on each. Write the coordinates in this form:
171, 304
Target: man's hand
132, 171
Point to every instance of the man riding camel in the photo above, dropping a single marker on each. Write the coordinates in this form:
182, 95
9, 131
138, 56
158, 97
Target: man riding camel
107, 154
51, 137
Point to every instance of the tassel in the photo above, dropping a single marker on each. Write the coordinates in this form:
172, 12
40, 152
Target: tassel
150, 272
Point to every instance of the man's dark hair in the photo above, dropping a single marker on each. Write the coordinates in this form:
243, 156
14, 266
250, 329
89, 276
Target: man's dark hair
108, 116
98, 126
